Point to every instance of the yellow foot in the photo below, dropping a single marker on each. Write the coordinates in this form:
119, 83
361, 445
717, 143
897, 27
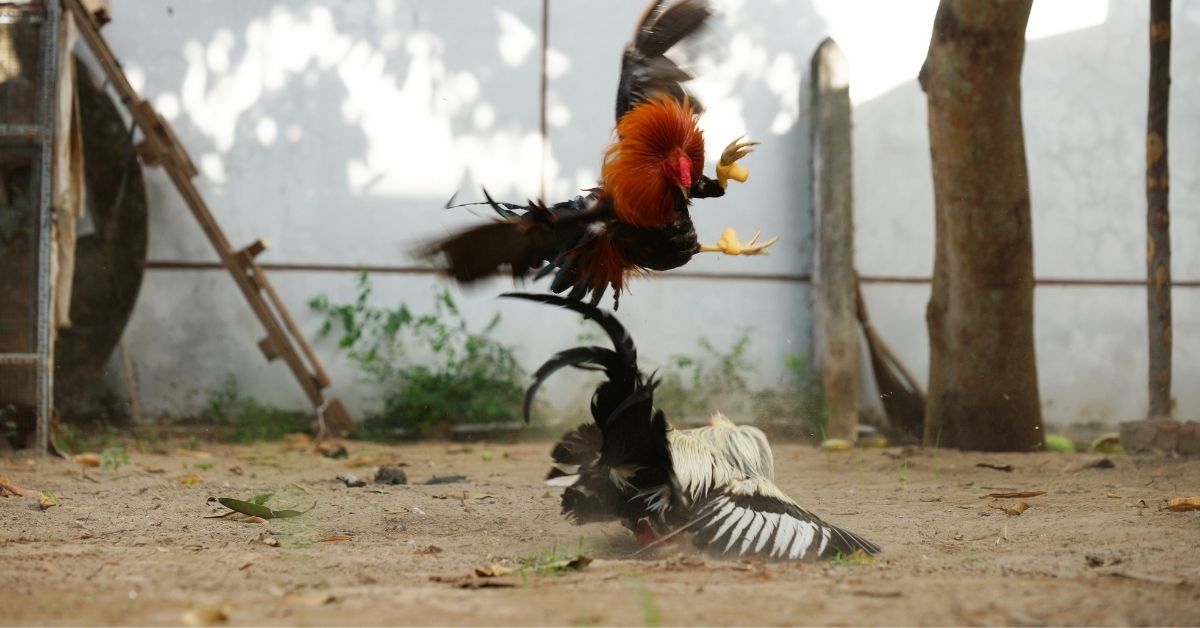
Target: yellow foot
729, 244
728, 168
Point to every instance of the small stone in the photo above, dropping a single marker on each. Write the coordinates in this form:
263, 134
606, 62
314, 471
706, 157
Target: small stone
390, 474
352, 481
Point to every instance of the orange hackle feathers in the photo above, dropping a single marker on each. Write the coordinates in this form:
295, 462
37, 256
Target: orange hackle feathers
602, 259
652, 134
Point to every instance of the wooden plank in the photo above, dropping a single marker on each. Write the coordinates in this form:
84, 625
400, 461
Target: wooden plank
836, 344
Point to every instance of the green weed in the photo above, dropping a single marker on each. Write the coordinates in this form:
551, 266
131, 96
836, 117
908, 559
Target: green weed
431, 368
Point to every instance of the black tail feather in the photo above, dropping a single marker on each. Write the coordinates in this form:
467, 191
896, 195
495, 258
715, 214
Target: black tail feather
579, 357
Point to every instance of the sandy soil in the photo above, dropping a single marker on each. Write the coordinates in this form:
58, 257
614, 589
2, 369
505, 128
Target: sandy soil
133, 546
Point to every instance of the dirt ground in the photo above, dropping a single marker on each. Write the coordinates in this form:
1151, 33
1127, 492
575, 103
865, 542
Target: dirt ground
134, 546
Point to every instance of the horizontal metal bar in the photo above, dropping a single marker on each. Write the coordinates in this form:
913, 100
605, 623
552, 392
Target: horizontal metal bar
20, 132
18, 359
673, 274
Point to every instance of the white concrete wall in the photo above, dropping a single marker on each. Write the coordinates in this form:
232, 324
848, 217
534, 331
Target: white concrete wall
338, 129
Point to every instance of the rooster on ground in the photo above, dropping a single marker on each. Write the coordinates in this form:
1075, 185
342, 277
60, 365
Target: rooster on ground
638, 218
714, 482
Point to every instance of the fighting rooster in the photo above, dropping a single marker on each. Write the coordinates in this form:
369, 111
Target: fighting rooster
714, 482
638, 218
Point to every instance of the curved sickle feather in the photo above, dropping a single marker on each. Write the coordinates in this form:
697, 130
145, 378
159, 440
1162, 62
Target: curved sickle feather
592, 358
621, 339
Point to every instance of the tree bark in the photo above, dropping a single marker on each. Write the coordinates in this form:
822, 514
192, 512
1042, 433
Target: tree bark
836, 331
983, 390
1158, 239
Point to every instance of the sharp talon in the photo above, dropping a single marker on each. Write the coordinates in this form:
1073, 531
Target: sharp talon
729, 244
728, 168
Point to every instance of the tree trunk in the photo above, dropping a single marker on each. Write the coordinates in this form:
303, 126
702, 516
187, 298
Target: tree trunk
1158, 240
983, 391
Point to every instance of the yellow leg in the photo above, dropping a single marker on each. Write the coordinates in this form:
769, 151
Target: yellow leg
728, 244
728, 168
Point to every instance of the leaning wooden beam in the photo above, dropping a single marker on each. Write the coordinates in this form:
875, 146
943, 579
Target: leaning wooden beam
836, 325
161, 147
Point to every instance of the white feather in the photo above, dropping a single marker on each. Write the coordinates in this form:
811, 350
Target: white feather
772, 522
747, 517
563, 481
804, 537
730, 520
752, 532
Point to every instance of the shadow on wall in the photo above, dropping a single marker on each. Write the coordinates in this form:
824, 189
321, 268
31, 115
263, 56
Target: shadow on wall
338, 130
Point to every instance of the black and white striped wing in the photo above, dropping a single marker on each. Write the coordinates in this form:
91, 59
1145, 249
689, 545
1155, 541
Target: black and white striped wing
766, 526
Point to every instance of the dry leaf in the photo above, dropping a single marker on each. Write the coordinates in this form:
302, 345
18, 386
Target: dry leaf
257, 520
491, 571
191, 480
332, 449
1107, 444
464, 496
236, 470
1100, 561
371, 460
206, 616
575, 564
333, 538
191, 453
154, 470
267, 539
430, 549
304, 489
836, 444
314, 599
112, 562
1013, 510
49, 568
6, 485
1007, 468
47, 500
1016, 495
297, 441
87, 460
1183, 504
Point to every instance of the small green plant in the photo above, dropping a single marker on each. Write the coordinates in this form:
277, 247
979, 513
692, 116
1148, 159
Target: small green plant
112, 458
250, 420
650, 615
555, 561
718, 380
857, 558
433, 369
697, 387
971, 558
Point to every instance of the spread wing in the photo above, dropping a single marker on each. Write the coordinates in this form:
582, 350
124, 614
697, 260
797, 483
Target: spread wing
646, 72
756, 518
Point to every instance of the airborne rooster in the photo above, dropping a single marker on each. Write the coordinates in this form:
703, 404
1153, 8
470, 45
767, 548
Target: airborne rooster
638, 218
714, 482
